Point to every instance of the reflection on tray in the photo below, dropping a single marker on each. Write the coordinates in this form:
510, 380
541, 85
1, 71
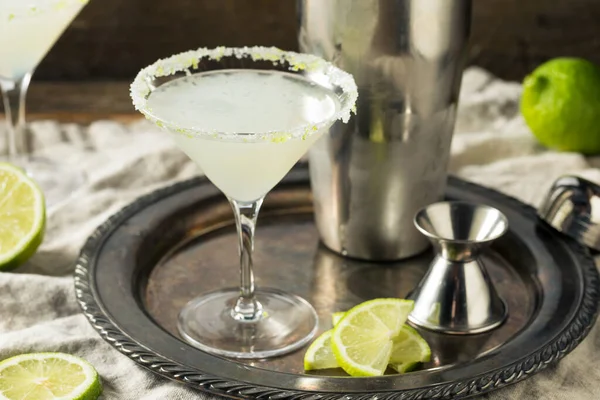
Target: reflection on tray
330, 282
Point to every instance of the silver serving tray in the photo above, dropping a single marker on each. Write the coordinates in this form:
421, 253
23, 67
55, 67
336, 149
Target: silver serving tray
141, 266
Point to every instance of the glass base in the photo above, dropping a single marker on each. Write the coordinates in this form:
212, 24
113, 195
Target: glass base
287, 323
57, 181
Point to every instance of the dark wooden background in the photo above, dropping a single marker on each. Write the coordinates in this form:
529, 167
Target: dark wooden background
112, 39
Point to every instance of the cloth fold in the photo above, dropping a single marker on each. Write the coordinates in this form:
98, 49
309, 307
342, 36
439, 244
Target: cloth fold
492, 146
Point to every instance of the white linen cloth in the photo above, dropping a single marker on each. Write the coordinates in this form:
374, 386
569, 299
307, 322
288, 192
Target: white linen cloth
38, 312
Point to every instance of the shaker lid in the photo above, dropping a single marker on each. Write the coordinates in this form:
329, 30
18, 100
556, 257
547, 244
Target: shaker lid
572, 206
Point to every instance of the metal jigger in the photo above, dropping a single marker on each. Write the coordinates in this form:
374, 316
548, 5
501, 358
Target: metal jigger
456, 295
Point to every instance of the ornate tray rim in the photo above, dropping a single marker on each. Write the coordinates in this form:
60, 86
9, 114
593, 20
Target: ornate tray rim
562, 344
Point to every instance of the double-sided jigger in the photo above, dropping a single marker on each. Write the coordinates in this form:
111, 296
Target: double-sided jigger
456, 295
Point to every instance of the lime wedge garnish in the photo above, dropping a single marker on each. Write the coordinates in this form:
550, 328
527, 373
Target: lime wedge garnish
319, 354
48, 376
22, 217
362, 340
409, 347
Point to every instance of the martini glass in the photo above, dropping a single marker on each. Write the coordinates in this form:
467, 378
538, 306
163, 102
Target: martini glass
245, 116
28, 29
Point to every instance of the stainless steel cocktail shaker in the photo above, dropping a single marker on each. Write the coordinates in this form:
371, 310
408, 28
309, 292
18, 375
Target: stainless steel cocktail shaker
371, 176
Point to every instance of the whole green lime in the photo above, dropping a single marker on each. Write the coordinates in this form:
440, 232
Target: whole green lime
561, 105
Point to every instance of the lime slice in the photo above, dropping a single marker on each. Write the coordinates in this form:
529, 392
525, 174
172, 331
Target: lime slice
320, 355
22, 217
48, 376
336, 317
409, 347
362, 339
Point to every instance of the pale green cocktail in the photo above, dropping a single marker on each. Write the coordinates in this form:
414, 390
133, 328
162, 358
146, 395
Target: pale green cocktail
245, 116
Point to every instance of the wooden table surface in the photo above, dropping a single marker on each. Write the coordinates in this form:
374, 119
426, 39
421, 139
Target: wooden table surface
81, 102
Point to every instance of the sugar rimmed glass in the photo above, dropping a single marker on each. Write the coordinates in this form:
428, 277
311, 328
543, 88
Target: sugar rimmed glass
245, 116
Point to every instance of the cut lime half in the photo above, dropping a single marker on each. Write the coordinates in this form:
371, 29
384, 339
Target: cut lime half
22, 217
48, 376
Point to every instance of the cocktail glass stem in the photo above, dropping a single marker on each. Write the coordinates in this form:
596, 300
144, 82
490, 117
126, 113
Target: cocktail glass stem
56, 180
246, 321
14, 93
247, 307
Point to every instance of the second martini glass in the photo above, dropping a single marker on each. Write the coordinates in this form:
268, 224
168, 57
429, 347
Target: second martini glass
28, 29
245, 116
